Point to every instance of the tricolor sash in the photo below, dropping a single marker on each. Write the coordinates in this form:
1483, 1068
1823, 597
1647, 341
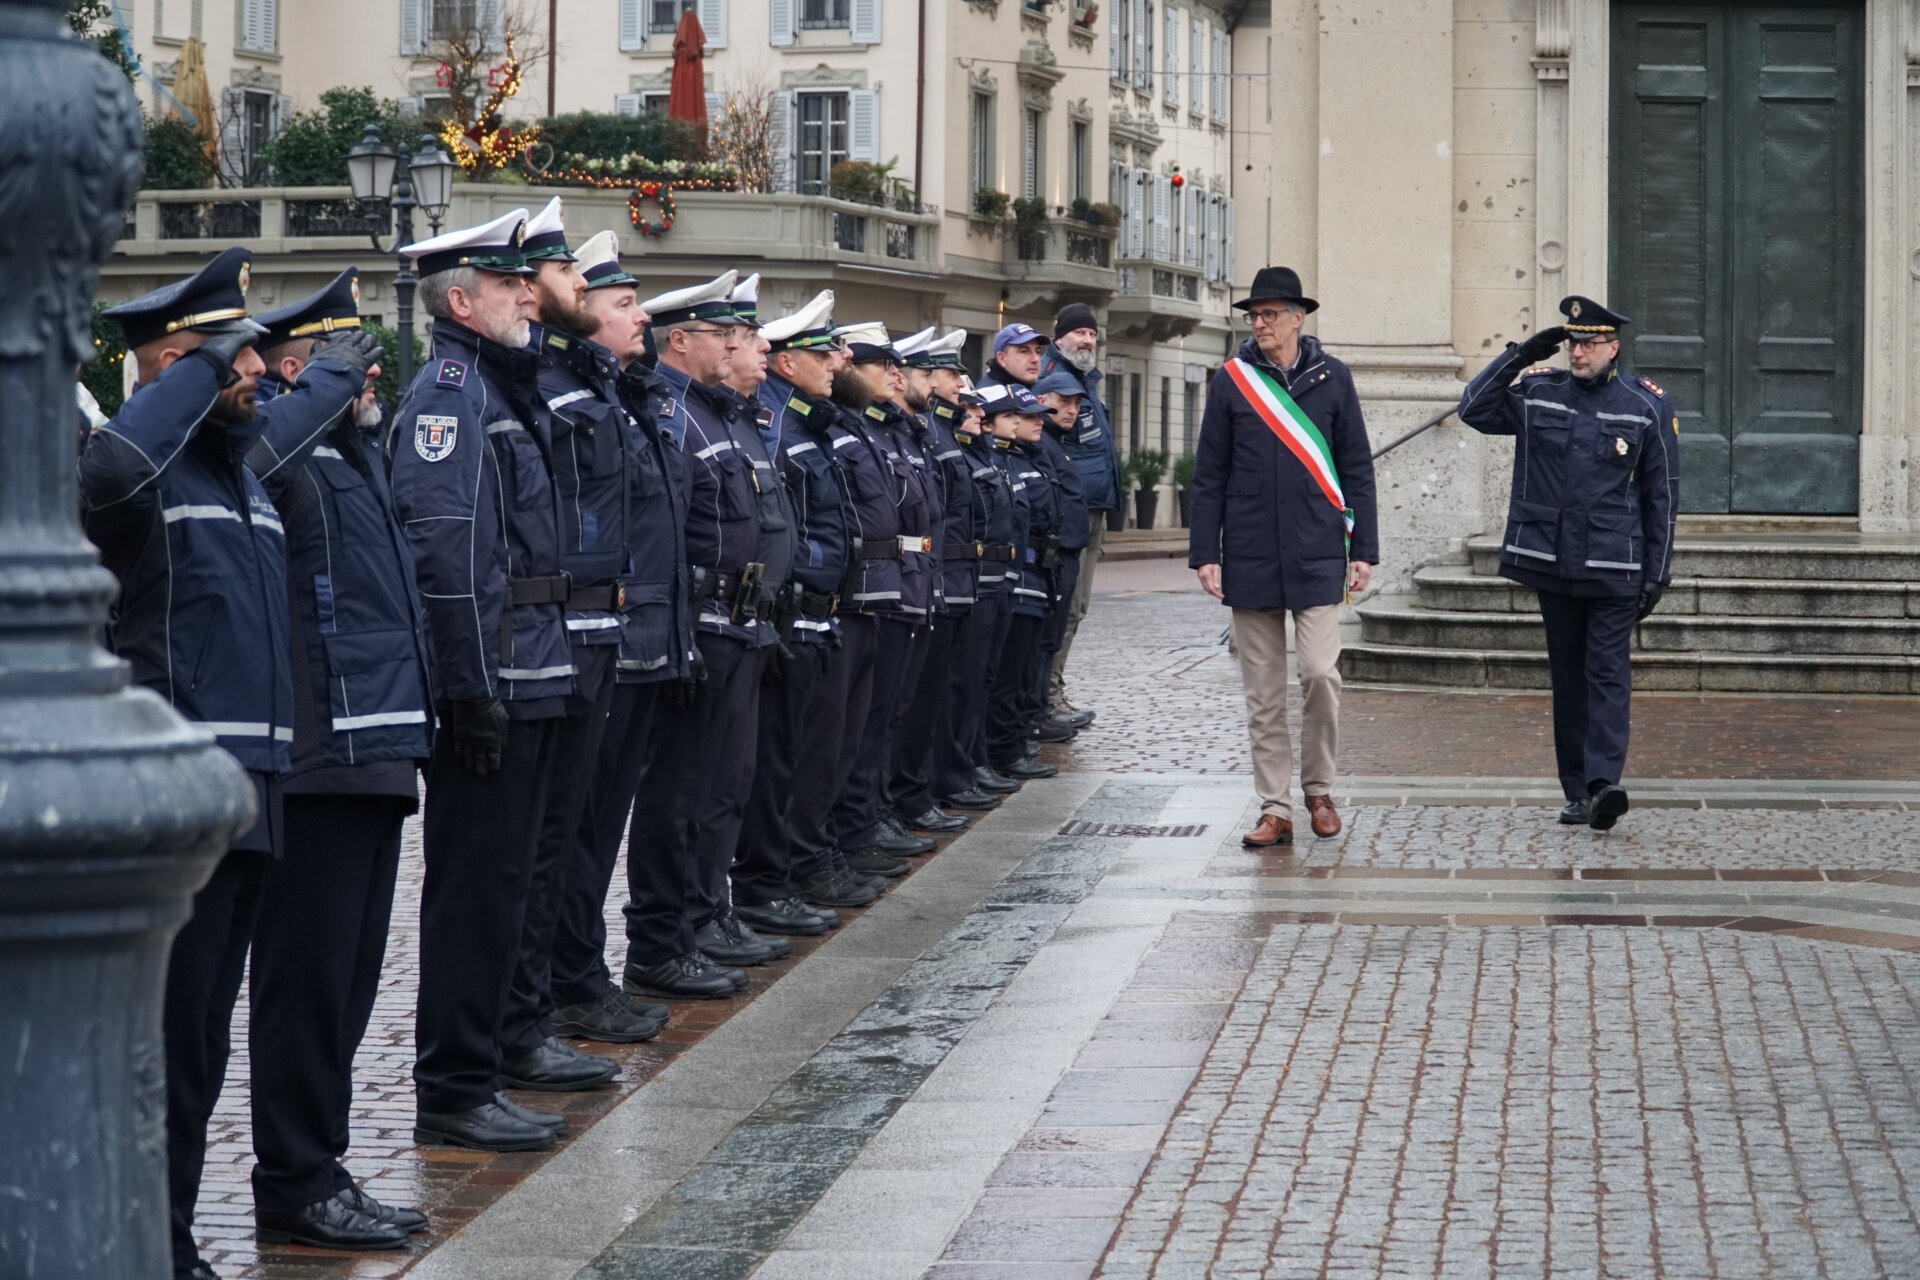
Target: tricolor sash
1295, 430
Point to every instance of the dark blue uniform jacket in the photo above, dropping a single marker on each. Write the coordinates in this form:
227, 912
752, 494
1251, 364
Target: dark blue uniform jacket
593, 472
876, 483
1595, 487
994, 494
1076, 519
1035, 492
1257, 511
359, 649
961, 526
473, 487
1090, 444
656, 638
202, 562
723, 511
820, 505
921, 512
779, 525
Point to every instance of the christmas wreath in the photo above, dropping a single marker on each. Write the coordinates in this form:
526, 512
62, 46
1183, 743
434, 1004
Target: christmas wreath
662, 195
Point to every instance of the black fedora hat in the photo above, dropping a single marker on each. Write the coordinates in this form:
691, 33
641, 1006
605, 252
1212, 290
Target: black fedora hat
1277, 284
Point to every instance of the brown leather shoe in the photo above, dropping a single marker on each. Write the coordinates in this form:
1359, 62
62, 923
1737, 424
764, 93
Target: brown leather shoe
1267, 832
1326, 819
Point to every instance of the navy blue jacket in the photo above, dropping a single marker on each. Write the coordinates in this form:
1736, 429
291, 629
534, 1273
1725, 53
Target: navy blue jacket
922, 511
961, 526
656, 636
1090, 444
359, 648
875, 485
1034, 491
473, 487
593, 447
1076, 519
1257, 511
201, 558
723, 511
820, 503
993, 493
779, 525
1595, 485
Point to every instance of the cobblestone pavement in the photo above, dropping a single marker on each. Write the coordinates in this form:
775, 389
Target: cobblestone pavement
1148, 659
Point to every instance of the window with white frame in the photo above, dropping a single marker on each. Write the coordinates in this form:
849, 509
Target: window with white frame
821, 142
450, 18
663, 16
980, 141
1120, 41
1033, 142
825, 15
259, 25
1080, 160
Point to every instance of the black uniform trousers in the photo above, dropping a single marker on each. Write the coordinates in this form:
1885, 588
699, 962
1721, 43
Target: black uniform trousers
579, 956
763, 861
480, 836
871, 741
524, 1024
1589, 639
716, 829
928, 719
1002, 607
1009, 708
675, 787
318, 949
833, 722
954, 756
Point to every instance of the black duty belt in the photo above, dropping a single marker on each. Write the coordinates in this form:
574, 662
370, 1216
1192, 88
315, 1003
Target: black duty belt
888, 550
608, 596
999, 551
964, 551
715, 586
818, 604
553, 589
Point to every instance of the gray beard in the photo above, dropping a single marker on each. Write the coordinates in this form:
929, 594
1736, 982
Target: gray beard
515, 334
1081, 360
367, 416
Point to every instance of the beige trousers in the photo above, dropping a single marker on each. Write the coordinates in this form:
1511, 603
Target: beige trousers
1260, 641
1076, 610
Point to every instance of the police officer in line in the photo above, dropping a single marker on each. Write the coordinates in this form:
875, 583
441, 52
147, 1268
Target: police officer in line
694, 334
1589, 528
1061, 394
361, 731
886, 470
767, 892
201, 619
473, 486
655, 651
932, 366
1016, 420
961, 778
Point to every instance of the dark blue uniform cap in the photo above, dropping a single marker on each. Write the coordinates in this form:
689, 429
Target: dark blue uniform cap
1585, 316
336, 306
1060, 382
212, 300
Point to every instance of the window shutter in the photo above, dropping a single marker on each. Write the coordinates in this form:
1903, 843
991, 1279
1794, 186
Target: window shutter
282, 112
1220, 76
270, 25
413, 25
782, 13
780, 141
1142, 47
1213, 239
1162, 216
1114, 69
1193, 225
716, 108
1171, 56
633, 26
413, 106
1136, 213
865, 24
1146, 47
863, 125
493, 24
627, 104
1197, 67
713, 21
1226, 222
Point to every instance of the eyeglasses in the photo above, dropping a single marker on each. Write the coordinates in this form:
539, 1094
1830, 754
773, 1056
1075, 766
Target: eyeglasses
1266, 316
1589, 344
722, 332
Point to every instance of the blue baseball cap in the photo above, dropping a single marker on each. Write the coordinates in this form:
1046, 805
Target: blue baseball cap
1060, 382
1016, 335
1001, 397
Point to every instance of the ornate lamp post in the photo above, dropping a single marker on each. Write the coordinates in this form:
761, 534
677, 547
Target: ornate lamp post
376, 172
112, 810
433, 172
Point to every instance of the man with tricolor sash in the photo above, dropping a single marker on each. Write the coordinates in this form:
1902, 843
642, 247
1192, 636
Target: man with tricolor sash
1283, 522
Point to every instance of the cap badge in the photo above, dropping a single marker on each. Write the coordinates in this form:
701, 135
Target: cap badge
246, 275
1573, 310
353, 287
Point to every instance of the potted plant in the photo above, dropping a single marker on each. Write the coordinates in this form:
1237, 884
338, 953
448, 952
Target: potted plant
1087, 16
988, 203
1183, 487
1030, 226
1104, 214
1149, 469
1082, 208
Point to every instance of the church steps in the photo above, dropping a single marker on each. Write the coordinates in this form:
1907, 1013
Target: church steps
1453, 588
1837, 557
1396, 623
1375, 664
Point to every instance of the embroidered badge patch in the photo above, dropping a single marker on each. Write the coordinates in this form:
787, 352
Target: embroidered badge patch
452, 374
433, 436
1620, 445
1651, 385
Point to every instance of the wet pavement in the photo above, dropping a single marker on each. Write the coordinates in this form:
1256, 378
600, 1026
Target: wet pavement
1094, 1036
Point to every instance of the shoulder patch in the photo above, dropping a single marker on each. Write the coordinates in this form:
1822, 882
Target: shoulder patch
452, 374
668, 407
1651, 385
434, 435
1539, 369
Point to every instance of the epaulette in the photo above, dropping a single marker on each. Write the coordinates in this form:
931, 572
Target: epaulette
452, 374
1539, 368
1651, 385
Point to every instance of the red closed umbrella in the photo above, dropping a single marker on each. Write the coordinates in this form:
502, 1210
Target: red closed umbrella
687, 91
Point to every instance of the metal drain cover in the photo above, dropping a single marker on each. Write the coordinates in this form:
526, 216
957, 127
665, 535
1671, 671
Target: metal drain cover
1131, 830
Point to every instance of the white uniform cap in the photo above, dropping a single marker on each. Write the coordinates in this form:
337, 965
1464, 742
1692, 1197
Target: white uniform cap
709, 301
547, 235
497, 246
808, 328
914, 344
746, 299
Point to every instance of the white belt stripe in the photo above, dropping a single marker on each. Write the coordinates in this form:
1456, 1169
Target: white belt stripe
505, 424
1611, 564
951, 453
805, 446
211, 512
328, 451
245, 729
809, 624
1549, 404
877, 595
1537, 555
345, 724
262, 520
1623, 417
845, 442
535, 673
592, 624
567, 399
712, 449
628, 664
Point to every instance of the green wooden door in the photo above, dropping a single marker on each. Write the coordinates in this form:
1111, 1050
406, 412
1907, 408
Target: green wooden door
1737, 241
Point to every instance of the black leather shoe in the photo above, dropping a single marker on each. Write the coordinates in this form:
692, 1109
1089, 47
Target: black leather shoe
1606, 805
395, 1215
992, 780
1575, 814
714, 941
792, 918
336, 1223
876, 885
1073, 716
740, 933
681, 978
556, 1068
872, 862
825, 889
902, 842
552, 1122
1050, 730
487, 1127
738, 977
651, 1010
200, 1271
936, 822
611, 1019
1024, 769
972, 798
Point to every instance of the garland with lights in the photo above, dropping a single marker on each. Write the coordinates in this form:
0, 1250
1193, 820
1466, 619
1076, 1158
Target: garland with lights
485, 144
660, 194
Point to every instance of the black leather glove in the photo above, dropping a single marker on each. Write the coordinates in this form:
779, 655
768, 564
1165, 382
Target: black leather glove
1543, 344
778, 663
479, 729
221, 349
350, 349
679, 694
1650, 595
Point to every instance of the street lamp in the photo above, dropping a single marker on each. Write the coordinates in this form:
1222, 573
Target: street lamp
113, 810
375, 172
433, 171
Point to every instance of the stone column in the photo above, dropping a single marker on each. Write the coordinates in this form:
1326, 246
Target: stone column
1890, 400
1385, 269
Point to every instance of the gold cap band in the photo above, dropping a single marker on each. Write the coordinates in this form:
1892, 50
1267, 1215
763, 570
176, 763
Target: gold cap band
327, 325
205, 317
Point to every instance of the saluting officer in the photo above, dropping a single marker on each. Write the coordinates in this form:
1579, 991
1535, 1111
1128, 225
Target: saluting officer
656, 649
473, 487
361, 731
1589, 528
1060, 393
589, 450
202, 620
1016, 418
